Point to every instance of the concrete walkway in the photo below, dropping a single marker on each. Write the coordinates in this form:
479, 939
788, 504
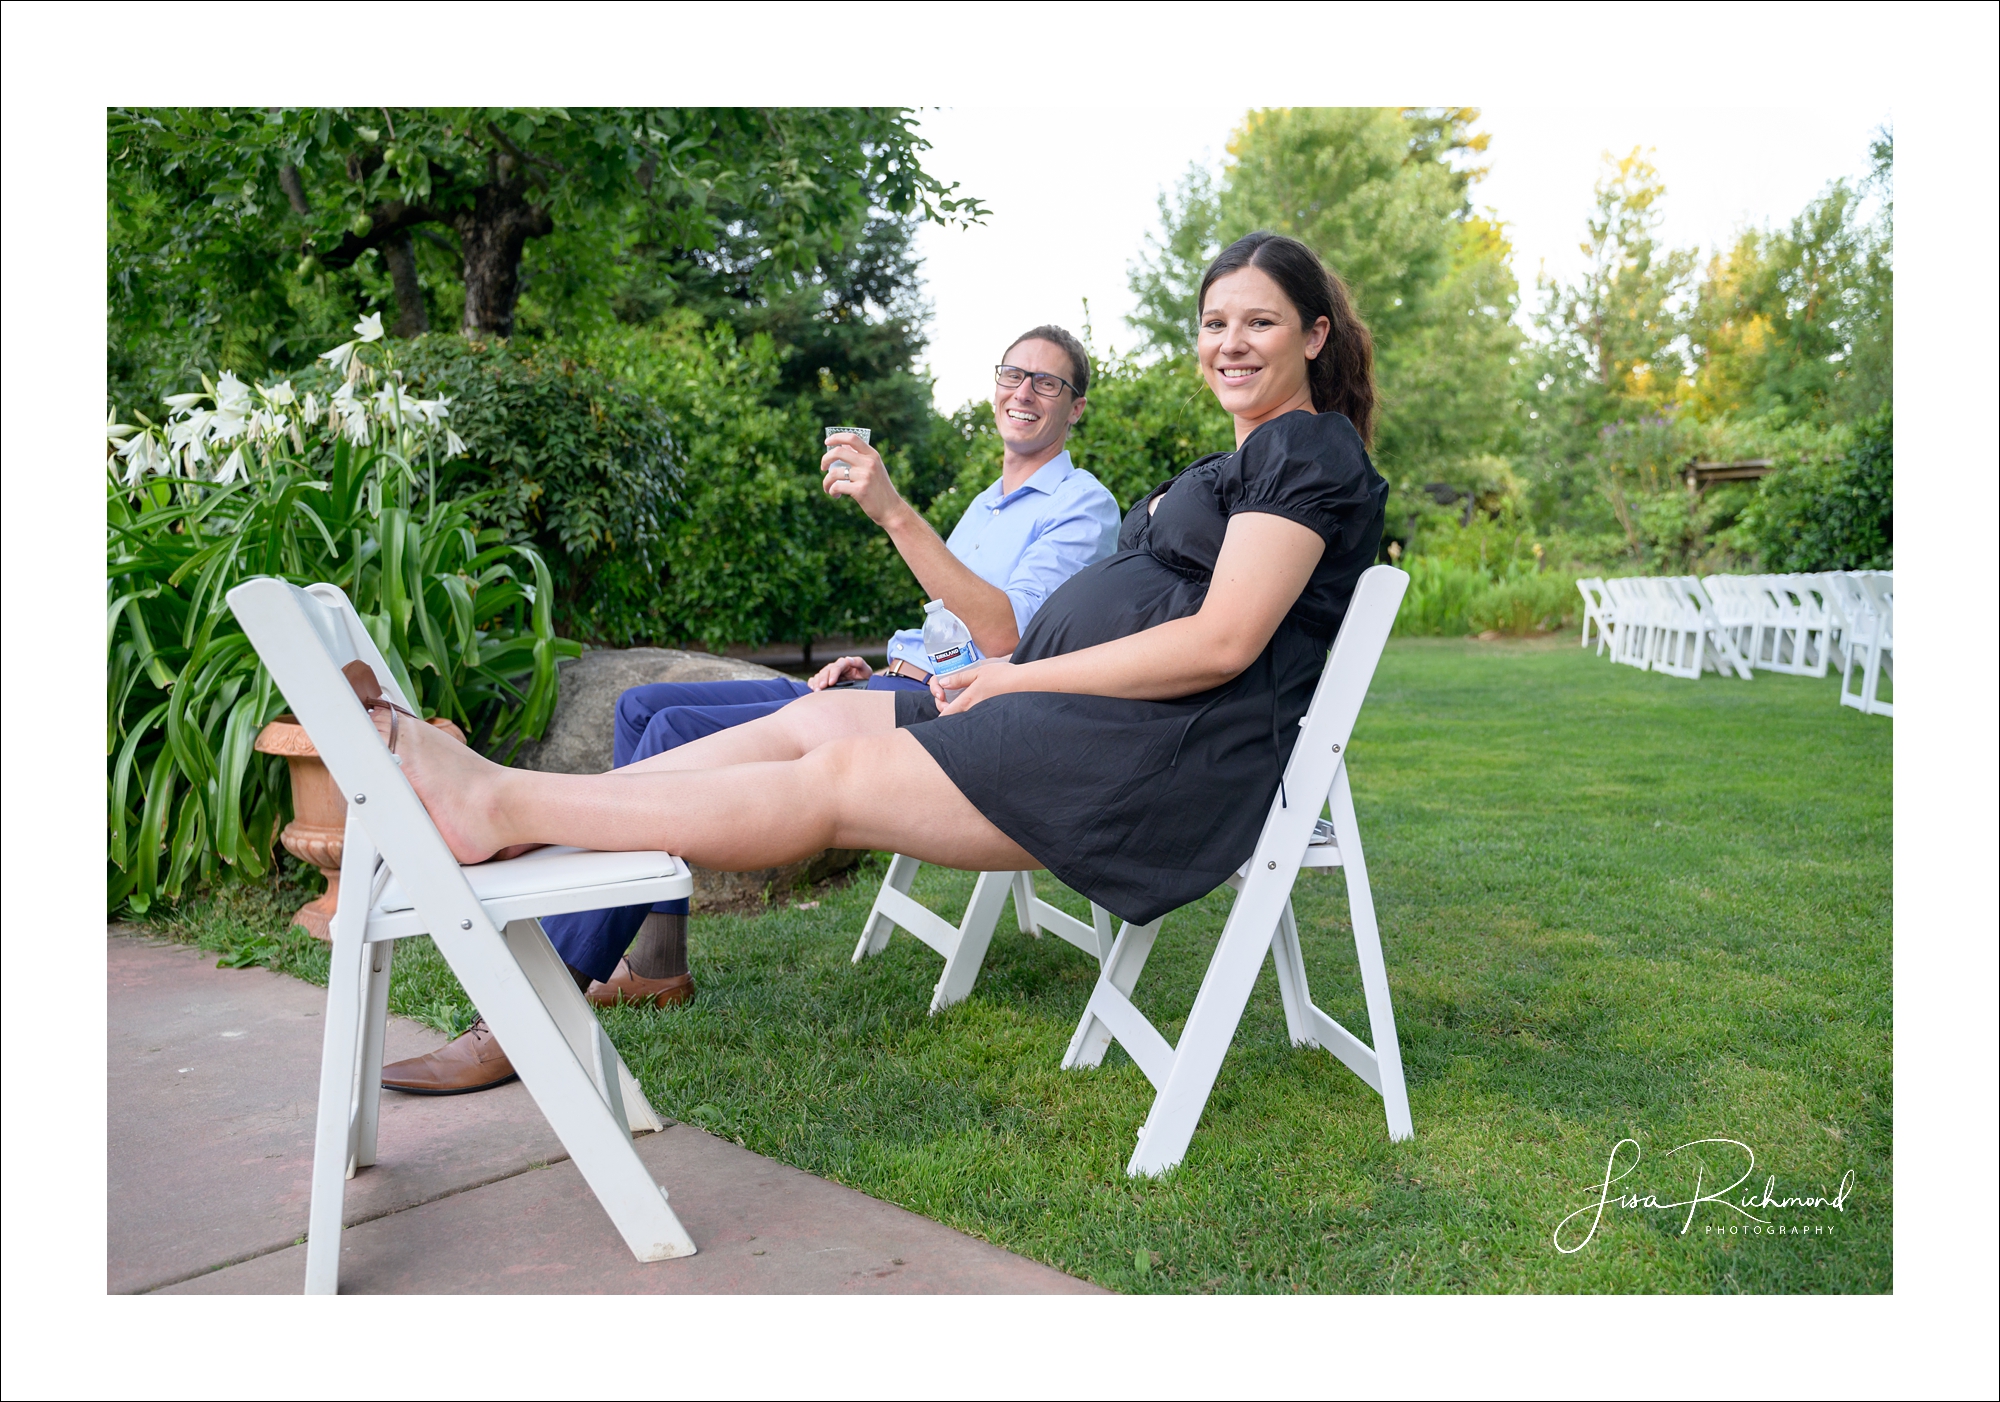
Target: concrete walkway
213, 1081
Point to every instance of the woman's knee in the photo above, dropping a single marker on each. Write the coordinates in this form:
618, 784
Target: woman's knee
826, 717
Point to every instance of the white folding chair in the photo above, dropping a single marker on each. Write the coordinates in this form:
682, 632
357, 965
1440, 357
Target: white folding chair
1738, 607
1261, 921
1703, 642
1874, 654
399, 879
964, 945
1797, 624
1679, 636
1599, 610
1784, 632
1633, 642
1814, 648
1847, 613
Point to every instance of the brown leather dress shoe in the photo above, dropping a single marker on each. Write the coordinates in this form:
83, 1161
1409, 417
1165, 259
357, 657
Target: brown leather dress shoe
467, 1063
627, 987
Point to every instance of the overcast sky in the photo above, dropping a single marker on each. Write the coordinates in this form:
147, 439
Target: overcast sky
1074, 195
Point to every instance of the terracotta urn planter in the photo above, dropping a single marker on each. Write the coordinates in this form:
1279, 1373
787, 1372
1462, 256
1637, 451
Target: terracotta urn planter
319, 821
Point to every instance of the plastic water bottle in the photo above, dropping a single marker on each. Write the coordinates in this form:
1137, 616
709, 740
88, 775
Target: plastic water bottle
947, 641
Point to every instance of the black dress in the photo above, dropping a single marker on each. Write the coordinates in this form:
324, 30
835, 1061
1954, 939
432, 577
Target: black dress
1144, 806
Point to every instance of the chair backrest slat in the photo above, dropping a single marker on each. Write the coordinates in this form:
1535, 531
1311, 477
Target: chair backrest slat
1322, 743
304, 637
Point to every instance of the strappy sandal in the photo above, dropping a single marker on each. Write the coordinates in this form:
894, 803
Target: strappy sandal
368, 691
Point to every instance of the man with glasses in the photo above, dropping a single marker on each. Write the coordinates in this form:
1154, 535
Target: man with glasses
1018, 540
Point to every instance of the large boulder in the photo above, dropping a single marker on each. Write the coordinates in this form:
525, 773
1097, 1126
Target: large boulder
578, 741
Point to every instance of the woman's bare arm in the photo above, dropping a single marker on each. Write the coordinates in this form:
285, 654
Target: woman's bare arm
1263, 567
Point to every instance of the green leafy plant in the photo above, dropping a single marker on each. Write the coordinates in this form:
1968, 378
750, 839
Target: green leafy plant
560, 455
1834, 510
237, 483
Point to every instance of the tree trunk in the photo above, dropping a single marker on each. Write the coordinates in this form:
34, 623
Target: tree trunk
401, 256
491, 235
294, 188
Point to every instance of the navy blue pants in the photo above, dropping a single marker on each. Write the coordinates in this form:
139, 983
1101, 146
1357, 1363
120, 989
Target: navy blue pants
652, 720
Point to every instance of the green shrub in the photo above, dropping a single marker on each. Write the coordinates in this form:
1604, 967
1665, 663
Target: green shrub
755, 551
233, 486
1524, 601
1440, 598
1829, 510
1449, 599
560, 455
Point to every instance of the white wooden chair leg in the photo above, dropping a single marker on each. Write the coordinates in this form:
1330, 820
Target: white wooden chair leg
1100, 921
1292, 987
975, 933
1118, 976
575, 1088
639, 1112
529, 944
1024, 904
1197, 1058
340, 1055
875, 933
368, 1113
1368, 952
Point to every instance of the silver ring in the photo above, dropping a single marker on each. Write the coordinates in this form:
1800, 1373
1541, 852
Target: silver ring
845, 474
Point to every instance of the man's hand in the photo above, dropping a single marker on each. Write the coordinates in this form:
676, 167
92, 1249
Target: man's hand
841, 669
962, 690
867, 480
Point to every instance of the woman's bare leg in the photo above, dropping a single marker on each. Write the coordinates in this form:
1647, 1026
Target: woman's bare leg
878, 791
787, 733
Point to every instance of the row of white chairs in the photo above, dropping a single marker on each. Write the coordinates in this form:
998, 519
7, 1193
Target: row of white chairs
1736, 624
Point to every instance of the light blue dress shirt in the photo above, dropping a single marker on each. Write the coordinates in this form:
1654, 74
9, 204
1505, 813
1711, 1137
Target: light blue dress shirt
1028, 541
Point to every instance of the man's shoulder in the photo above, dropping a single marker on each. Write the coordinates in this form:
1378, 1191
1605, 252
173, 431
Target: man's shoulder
1082, 491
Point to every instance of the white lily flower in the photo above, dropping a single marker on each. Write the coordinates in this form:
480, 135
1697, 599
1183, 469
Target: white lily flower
454, 446
266, 425
339, 355
181, 403
114, 431
232, 396
348, 415
369, 328
278, 394
310, 408
189, 433
135, 469
142, 455
232, 467
232, 408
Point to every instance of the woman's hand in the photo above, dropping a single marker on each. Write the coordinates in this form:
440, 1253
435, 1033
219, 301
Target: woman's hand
841, 669
962, 690
866, 479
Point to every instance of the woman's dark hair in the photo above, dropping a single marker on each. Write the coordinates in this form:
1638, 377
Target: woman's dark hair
1342, 375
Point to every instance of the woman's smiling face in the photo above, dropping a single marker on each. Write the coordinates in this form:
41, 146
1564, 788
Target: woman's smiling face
1253, 349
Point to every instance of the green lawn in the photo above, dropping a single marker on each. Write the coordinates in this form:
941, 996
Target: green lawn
1614, 905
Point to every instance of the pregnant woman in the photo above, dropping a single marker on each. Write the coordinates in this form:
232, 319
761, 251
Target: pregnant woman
1133, 740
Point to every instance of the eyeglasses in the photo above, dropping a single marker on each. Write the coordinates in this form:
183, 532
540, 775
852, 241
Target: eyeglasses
1046, 385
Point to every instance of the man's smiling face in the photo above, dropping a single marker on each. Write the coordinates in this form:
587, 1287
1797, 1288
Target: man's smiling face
1029, 422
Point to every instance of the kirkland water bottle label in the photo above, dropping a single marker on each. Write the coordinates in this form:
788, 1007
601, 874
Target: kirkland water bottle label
951, 660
